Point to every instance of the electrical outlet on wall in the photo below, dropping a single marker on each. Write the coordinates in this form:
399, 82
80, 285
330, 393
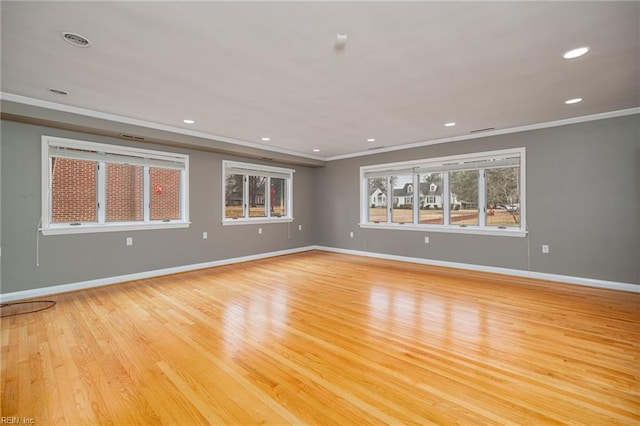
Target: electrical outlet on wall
351, 234
129, 241
426, 240
205, 235
299, 227
259, 230
545, 248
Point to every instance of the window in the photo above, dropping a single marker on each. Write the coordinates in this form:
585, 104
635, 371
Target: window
402, 208
463, 186
255, 193
476, 193
503, 197
93, 187
377, 212
431, 198
124, 192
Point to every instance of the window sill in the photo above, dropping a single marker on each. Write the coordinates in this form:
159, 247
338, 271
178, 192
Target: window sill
111, 227
512, 232
256, 221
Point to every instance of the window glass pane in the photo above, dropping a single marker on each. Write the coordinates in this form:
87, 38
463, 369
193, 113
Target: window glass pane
165, 193
463, 187
233, 199
503, 196
431, 193
278, 194
124, 193
377, 199
74, 190
402, 207
256, 196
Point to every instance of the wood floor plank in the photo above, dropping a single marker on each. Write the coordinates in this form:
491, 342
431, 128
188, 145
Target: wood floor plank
326, 338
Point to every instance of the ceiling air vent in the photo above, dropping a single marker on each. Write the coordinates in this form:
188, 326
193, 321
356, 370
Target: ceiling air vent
58, 91
76, 39
486, 129
132, 137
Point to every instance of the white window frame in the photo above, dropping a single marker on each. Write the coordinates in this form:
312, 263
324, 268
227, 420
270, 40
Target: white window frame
250, 169
100, 152
445, 165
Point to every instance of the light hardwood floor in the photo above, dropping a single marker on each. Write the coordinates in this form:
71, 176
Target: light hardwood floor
324, 338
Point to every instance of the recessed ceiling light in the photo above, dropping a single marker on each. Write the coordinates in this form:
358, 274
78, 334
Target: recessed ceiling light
266, 139
451, 124
575, 53
371, 140
187, 121
573, 101
316, 150
76, 39
58, 91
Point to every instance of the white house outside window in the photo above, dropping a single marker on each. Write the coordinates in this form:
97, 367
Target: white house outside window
479, 193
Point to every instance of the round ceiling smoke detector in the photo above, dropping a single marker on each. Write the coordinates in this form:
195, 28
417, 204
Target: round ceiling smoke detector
76, 39
341, 41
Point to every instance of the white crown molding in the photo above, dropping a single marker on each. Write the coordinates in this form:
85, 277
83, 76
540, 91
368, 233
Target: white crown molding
142, 123
148, 124
565, 122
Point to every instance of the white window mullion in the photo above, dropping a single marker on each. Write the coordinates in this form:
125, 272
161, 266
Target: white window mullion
289, 197
47, 198
482, 203
245, 196
146, 193
184, 200
102, 192
522, 193
267, 197
389, 200
416, 199
446, 198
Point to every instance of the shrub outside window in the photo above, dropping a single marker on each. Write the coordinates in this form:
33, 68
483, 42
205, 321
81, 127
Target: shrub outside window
255, 193
475, 193
94, 187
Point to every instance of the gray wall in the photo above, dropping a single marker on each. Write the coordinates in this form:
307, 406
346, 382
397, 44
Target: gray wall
80, 257
0, 205
582, 200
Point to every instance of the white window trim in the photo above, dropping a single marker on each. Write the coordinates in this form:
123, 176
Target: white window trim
50, 143
258, 170
404, 166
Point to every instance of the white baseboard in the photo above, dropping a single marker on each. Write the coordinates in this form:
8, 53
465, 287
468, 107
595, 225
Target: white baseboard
64, 288
612, 285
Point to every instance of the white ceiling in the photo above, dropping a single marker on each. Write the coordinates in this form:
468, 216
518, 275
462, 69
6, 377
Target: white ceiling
244, 70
